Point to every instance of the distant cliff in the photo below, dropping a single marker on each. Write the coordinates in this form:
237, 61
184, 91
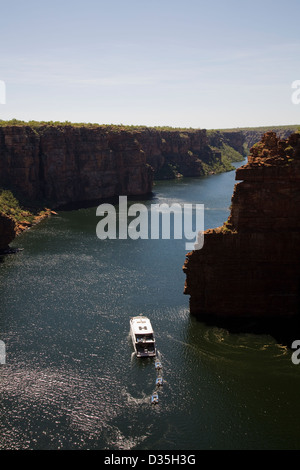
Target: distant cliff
190, 152
250, 267
252, 135
64, 164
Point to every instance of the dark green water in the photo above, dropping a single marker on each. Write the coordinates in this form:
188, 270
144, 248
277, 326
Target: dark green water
71, 380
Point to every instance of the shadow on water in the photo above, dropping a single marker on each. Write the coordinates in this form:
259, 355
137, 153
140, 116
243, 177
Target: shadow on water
8, 251
284, 331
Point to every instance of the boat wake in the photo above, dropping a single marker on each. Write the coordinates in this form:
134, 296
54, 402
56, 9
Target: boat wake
143, 341
159, 379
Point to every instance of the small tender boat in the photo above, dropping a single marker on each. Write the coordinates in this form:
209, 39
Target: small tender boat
159, 381
158, 365
154, 398
142, 336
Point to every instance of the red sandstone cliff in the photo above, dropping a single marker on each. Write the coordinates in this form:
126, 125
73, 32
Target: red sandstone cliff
250, 267
71, 163
185, 151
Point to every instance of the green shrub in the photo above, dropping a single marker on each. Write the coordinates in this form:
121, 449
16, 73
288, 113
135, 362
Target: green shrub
10, 206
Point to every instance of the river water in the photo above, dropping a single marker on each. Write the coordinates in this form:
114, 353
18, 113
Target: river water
71, 380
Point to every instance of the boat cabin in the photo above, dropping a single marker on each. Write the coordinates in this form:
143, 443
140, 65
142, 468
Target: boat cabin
142, 336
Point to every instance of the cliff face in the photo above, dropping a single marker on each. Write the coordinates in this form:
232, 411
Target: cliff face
234, 139
181, 152
69, 164
186, 152
250, 267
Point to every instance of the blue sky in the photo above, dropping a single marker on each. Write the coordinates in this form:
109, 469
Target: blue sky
201, 64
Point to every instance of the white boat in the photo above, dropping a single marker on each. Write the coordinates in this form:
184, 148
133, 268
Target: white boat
142, 336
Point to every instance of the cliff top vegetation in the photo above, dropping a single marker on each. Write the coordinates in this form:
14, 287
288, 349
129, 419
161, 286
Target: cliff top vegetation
119, 127
11, 206
110, 127
264, 129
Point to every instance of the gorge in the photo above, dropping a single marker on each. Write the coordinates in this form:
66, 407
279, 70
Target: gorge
58, 165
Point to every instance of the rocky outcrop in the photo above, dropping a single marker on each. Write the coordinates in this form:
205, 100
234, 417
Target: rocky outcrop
11, 225
7, 232
250, 267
